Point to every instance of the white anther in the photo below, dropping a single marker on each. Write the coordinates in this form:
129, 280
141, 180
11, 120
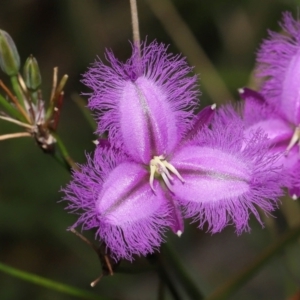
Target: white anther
160, 166
213, 106
295, 139
294, 197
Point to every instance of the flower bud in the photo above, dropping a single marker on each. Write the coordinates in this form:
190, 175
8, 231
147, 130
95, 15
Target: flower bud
32, 75
9, 56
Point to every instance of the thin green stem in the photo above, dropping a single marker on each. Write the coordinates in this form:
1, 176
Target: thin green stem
157, 260
10, 110
235, 282
87, 114
56, 286
187, 43
182, 275
17, 89
135, 24
161, 290
59, 158
165, 277
16, 102
65, 159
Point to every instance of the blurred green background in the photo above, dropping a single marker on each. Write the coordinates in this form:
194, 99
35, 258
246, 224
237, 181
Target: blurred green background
70, 34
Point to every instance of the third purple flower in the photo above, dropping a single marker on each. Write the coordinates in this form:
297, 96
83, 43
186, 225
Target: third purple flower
276, 108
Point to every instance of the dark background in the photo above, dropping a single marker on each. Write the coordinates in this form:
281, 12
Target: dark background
70, 34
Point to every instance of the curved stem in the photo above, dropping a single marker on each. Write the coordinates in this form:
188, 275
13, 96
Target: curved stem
183, 277
165, 277
14, 135
236, 281
9, 109
56, 286
65, 159
17, 89
187, 43
158, 261
16, 102
81, 103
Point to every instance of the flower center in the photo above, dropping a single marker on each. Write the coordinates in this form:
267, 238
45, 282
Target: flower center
159, 166
295, 139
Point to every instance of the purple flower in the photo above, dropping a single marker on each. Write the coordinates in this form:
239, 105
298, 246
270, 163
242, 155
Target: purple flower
225, 178
162, 162
277, 108
279, 61
259, 114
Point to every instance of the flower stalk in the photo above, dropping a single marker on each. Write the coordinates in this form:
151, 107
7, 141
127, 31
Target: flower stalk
135, 24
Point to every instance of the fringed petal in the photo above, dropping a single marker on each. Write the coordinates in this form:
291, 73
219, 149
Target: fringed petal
112, 195
145, 104
278, 61
227, 176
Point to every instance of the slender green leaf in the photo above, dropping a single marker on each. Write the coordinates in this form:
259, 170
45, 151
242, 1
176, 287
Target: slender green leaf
47, 283
237, 281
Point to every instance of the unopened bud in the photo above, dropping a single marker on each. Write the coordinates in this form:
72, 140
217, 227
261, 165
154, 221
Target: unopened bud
32, 75
9, 56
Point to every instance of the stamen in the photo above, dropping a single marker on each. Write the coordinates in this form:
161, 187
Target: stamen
152, 172
295, 139
173, 170
160, 166
167, 181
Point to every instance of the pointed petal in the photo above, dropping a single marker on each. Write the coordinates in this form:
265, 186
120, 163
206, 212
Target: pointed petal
203, 118
177, 225
251, 95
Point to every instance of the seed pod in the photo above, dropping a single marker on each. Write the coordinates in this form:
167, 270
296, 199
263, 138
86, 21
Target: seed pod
9, 56
32, 75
